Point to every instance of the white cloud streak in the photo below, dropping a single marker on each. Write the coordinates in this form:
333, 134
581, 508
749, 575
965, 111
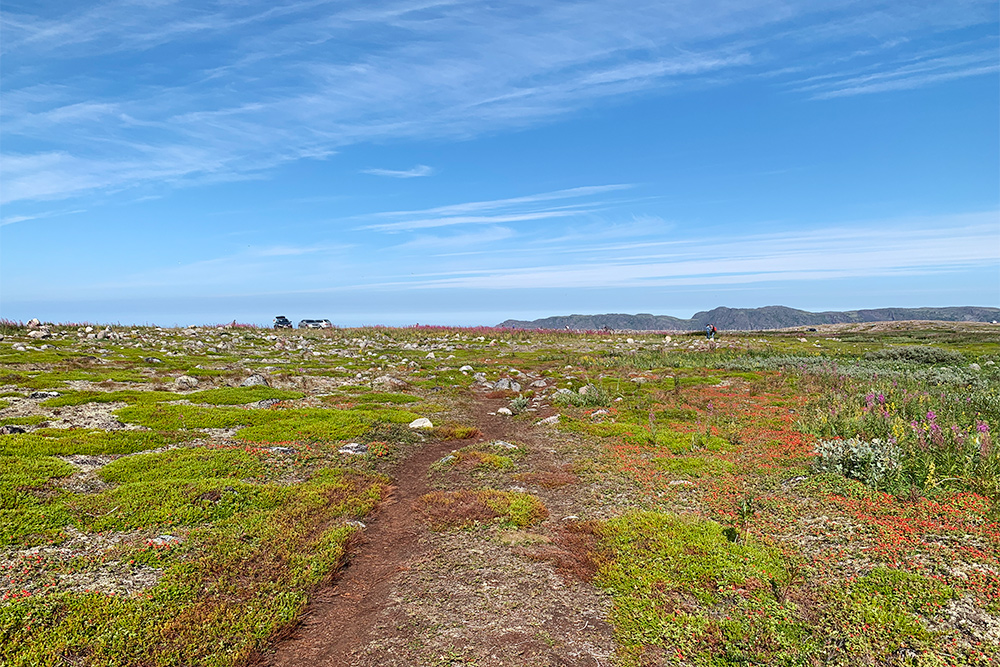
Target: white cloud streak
417, 172
891, 248
248, 86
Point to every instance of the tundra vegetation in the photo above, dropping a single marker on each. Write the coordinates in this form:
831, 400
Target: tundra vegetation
786, 498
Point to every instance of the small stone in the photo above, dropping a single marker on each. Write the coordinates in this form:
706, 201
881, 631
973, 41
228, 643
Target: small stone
975, 367
571, 517
598, 413
33, 323
355, 524
539, 384
10, 429
629, 341
430, 355
266, 402
466, 368
163, 540
288, 451
554, 419
38, 333
421, 422
152, 360
255, 380
355, 448
448, 459
504, 411
505, 445
186, 382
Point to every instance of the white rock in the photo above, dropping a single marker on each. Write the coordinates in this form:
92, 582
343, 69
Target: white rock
539, 384
186, 382
554, 419
504, 411
33, 323
466, 368
255, 380
422, 422
430, 355
355, 448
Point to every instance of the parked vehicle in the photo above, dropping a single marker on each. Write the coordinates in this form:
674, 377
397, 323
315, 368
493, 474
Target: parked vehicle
315, 324
282, 322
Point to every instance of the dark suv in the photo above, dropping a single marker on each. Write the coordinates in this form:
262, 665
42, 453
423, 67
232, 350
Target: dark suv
282, 322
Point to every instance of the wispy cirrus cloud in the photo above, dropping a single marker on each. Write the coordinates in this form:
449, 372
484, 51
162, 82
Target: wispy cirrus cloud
870, 249
500, 211
220, 90
914, 73
416, 172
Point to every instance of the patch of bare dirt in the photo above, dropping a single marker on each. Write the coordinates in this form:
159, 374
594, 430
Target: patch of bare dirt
486, 596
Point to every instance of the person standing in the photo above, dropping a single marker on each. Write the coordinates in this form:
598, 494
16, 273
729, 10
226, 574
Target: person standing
709, 332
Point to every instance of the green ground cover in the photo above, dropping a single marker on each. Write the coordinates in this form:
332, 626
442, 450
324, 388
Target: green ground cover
772, 501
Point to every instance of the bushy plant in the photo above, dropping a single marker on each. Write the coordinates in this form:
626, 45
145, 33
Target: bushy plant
593, 397
875, 462
919, 354
518, 404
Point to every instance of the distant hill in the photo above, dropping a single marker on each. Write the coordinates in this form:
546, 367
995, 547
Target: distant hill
743, 319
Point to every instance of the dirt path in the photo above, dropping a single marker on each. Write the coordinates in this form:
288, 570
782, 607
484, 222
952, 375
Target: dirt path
410, 596
340, 617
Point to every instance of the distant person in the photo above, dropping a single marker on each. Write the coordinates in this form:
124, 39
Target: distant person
710, 331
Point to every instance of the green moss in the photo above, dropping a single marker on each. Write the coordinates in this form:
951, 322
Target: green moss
385, 397
314, 424
671, 576
55, 442
196, 463
30, 420
241, 395
242, 579
130, 396
516, 509
57, 379
167, 416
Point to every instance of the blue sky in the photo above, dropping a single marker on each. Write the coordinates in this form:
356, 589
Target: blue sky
465, 162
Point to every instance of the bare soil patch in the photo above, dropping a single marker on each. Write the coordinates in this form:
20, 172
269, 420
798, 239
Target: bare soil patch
485, 595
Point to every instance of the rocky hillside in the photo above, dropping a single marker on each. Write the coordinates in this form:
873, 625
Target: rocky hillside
768, 317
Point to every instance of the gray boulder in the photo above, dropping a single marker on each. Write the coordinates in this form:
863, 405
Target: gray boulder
255, 380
